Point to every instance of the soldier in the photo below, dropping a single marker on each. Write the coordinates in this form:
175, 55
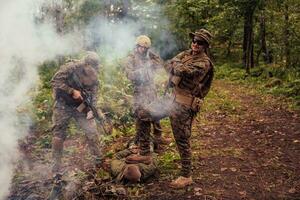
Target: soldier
139, 68
125, 169
68, 99
191, 74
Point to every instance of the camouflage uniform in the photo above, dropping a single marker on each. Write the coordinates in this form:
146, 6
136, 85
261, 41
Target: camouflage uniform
191, 77
65, 107
139, 69
118, 165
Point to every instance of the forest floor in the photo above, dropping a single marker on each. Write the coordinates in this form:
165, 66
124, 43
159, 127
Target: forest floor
246, 145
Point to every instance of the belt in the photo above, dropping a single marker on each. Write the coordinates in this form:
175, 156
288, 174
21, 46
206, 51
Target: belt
189, 101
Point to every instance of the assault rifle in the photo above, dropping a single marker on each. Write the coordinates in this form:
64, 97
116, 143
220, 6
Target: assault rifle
87, 102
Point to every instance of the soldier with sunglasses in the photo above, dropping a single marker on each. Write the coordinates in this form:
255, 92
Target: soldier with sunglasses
191, 74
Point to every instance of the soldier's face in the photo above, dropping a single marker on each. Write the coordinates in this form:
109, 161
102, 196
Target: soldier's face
142, 50
197, 46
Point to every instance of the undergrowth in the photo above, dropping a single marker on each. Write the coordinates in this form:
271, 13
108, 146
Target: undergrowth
277, 81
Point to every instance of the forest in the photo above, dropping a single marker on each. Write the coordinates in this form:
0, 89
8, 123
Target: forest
245, 139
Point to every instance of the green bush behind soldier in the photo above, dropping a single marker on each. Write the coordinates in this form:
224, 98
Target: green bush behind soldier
139, 67
67, 99
191, 74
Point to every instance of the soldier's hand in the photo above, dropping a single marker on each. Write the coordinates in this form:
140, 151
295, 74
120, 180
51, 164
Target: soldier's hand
77, 95
89, 115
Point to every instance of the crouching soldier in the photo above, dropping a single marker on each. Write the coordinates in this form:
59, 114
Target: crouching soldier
129, 167
68, 95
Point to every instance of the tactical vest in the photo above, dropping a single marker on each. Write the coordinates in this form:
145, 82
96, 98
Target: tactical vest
191, 91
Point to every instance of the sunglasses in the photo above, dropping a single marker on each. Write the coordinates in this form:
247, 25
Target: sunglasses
199, 42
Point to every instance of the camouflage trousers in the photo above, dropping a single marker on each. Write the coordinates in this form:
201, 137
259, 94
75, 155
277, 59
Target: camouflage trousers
62, 114
143, 132
143, 129
181, 118
181, 121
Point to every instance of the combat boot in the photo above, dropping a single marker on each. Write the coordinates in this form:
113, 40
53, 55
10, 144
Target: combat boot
181, 182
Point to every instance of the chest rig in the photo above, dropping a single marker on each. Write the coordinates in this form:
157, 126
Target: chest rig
190, 90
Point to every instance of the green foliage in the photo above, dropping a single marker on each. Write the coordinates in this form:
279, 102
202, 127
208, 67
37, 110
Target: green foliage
166, 161
274, 80
43, 97
114, 98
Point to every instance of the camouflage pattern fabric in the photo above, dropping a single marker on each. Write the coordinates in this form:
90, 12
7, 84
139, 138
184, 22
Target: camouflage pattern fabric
140, 71
118, 165
181, 121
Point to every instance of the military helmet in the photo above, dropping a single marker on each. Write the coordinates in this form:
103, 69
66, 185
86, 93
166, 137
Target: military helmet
143, 41
92, 59
202, 34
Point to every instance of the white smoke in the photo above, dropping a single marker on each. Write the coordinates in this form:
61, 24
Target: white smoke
115, 39
23, 46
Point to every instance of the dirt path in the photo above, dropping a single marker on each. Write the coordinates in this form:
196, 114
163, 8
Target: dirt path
245, 146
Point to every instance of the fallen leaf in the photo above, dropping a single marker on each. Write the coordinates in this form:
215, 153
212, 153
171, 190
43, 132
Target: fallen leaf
198, 194
197, 189
292, 190
243, 193
233, 169
223, 169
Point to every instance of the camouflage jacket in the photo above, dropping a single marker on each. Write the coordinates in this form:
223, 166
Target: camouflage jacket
118, 165
191, 75
140, 71
63, 82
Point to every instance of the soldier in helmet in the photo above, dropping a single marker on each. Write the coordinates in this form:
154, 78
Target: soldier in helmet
68, 98
139, 68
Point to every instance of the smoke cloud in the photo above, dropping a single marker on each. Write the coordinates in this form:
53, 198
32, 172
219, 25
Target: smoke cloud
24, 45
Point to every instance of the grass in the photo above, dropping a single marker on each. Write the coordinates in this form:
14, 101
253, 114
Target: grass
277, 81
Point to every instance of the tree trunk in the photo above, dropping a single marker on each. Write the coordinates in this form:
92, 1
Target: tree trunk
287, 50
263, 43
248, 57
248, 41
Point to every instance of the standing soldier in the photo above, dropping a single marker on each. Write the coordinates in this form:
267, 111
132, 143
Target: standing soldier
68, 101
139, 68
191, 74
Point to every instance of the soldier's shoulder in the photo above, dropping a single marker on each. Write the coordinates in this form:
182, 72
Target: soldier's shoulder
130, 56
183, 54
70, 66
206, 59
